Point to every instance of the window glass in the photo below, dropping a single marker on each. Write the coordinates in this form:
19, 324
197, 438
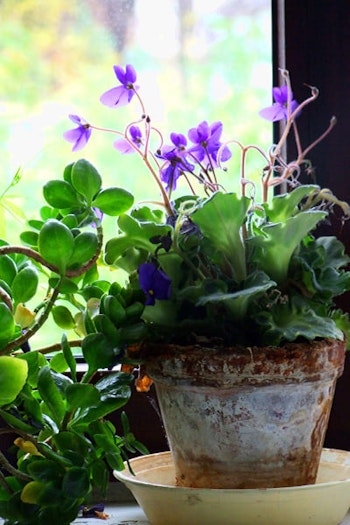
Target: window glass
196, 60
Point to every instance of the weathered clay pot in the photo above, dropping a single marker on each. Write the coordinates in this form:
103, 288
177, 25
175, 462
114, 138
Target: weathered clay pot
246, 417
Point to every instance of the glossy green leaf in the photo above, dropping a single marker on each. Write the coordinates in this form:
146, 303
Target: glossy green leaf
86, 179
13, 375
25, 284
105, 325
63, 317
113, 201
56, 244
50, 394
29, 238
85, 247
8, 269
76, 482
67, 286
98, 351
81, 395
60, 194
7, 324
69, 357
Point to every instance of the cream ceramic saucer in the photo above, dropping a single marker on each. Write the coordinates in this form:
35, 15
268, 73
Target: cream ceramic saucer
325, 503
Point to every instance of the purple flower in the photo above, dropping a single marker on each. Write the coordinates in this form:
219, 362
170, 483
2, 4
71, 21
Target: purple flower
123, 146
80, 135
121, 95
155, 283
207, 143
176, 162
279, 109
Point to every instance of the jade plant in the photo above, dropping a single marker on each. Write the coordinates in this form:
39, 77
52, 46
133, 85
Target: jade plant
57, 445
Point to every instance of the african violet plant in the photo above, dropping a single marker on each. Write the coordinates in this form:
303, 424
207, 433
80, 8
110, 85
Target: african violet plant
242, 268
211, 263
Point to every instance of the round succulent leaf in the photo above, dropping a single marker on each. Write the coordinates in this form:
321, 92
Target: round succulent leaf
13, 375
63, 317
60, 194
98, 351
113, 201
25, 284
29, 238
32, 492
8, 269
7, 325
70, 220
6, 287
76, 482
67, 285
67, 173
86, 179
36, 224
56, 243
46, 212
85, 247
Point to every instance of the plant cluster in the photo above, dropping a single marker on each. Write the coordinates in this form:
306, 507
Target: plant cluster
209, 264
244, 268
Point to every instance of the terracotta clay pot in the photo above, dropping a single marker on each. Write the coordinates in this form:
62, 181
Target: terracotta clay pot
246, 417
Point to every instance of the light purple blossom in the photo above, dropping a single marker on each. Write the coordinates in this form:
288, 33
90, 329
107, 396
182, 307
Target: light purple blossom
279, 109
80, 135
155, 283
206, 140
121, 95
124, 146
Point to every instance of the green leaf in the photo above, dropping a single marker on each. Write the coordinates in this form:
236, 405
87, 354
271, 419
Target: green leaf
136, 234
29, 238
81, 395
56, 244
69, 357
98, 351
86, 179
8, 269
85, 247
25, 284
63, 317
220, 219
60, 194
76, 482
13, 375
7, 325
50, 394
113, 201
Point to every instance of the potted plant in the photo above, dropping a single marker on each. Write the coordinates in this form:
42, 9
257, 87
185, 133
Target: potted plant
241, 327
211, 274
56, 445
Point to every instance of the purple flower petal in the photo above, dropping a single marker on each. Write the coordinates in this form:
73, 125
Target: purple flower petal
279, 109
78, 136
121, 95
155, 283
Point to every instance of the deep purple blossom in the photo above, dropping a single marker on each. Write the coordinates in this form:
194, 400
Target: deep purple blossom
279, 109
176, 162
80, 135
121, 95
206, 140
155, 283
124, 146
